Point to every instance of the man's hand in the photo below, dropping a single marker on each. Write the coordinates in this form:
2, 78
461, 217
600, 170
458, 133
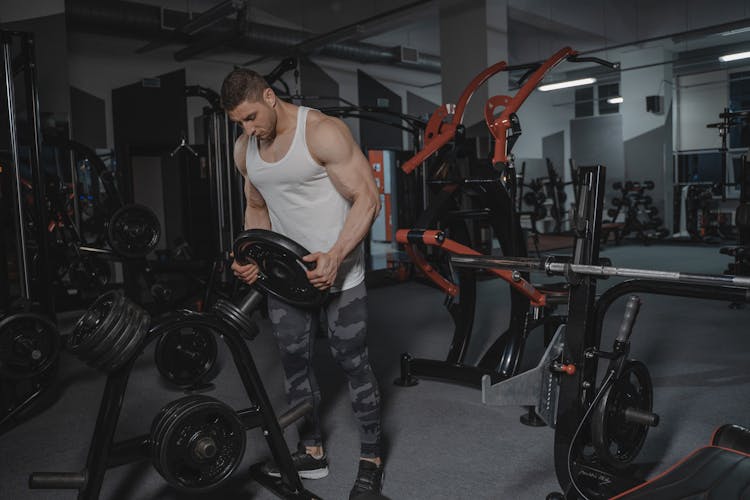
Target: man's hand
326, 268
247, 273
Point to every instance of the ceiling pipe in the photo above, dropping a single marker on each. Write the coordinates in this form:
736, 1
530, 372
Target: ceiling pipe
135, 20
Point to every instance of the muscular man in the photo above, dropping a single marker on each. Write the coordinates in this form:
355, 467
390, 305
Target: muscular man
307, 179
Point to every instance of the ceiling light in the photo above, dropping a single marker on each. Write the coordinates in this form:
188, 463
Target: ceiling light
734, 57
615, 100
569, 83
736, 32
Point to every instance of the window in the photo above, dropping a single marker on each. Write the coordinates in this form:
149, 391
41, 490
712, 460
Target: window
584, 102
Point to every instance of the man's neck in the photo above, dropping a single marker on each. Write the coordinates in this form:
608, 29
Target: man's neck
286, 117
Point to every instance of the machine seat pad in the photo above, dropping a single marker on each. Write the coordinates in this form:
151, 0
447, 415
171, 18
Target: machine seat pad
709, 473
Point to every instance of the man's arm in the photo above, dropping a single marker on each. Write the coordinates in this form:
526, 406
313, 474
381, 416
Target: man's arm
331, 143
256, 211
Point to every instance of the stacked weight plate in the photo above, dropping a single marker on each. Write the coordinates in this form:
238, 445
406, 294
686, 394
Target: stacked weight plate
197, 442
109, 334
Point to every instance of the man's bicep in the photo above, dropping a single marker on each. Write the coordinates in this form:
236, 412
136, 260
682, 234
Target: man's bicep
252, 196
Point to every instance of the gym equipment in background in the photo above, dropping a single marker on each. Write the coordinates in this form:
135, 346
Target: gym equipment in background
599, 428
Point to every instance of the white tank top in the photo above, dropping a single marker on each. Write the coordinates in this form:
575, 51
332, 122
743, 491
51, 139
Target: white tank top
302, 202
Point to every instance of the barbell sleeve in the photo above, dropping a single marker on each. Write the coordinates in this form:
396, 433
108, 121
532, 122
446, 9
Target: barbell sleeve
57, 480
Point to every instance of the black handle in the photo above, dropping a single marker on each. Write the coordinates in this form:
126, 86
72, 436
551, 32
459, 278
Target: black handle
628, 319
603, 62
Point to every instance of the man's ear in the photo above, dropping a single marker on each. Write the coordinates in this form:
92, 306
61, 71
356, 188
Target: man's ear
269, 96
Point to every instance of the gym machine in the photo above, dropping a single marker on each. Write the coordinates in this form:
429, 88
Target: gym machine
29, 342
113, 333
599, 428
496, 190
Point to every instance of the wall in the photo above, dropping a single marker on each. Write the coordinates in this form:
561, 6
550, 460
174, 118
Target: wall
700, 99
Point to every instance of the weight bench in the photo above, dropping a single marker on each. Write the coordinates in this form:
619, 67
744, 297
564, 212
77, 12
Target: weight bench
720, 470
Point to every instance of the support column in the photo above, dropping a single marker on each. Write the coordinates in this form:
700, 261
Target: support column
473, 35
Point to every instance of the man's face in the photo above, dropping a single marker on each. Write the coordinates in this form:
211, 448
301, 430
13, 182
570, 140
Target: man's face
257, 118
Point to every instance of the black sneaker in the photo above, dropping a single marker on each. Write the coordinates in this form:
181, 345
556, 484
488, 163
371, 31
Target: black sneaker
308, 467
369, 480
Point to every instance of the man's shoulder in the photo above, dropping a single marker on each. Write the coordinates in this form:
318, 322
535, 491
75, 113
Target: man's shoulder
321, 125
240, 149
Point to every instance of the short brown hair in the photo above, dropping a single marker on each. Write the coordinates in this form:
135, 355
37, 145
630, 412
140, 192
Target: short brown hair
242, 85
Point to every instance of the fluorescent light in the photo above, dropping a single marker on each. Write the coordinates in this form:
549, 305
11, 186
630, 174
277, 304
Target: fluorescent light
736, 32
734, 57
569, 83
615, 100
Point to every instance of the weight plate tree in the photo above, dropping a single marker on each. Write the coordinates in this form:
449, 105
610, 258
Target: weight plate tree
195, 442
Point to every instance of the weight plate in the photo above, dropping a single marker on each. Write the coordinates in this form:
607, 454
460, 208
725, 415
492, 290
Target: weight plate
197, 442
132, 344
282, 270
29, 345
233, 315
617, 441
95, 322
113, 342
133, 231
186, 354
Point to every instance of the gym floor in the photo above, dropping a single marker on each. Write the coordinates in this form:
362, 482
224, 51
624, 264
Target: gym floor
441, 441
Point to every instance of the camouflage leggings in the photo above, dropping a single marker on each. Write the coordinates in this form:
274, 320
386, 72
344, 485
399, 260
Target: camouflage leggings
295, 330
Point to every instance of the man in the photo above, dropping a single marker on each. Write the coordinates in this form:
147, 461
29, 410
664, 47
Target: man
307, 179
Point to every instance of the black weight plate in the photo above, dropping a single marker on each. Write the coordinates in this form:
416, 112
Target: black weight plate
111, 344
133, 338
96, 321
133, 231
282, 270
238, 320
106, 341
197, 443
186, 355
617, 441
29, 345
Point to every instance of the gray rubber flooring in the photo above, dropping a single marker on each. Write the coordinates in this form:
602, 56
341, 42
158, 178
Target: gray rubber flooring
442, 442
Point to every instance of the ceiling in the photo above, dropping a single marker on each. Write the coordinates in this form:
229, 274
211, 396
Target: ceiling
685, 29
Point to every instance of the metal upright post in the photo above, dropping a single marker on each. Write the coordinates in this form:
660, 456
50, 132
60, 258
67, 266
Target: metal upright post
44, 289
576, 390
228, 172
219, 182
23, 263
